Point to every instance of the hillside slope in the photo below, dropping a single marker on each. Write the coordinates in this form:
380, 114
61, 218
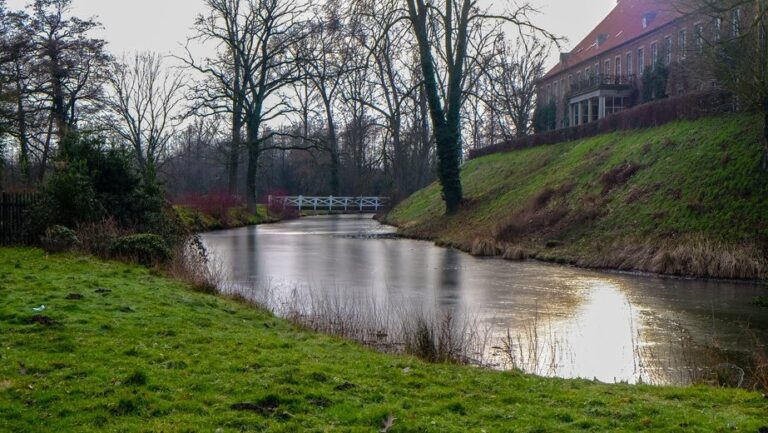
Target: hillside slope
687, 198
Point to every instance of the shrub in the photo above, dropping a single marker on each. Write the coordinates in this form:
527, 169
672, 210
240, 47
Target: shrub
147, 249
278, 211
93, 182
217, 204
58, 239
67, 199
545, 117
97, 237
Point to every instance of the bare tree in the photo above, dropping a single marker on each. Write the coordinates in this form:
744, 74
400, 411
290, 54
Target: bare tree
326, 57
223, 89
733, 45
73, 63
255, 39
446, 27
143, 107
513, 75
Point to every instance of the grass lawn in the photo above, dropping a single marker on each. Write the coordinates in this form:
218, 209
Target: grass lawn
684, 198
118, 349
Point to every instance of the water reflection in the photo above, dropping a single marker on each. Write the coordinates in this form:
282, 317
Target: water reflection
574, 322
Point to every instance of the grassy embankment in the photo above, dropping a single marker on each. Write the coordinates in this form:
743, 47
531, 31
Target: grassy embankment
120, 349
199, 221
687, 198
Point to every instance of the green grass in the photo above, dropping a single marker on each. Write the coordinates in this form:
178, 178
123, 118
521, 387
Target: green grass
695, 180
142, 353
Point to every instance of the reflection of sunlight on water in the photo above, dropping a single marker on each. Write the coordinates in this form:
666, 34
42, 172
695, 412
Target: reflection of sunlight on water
598, 340
602, 334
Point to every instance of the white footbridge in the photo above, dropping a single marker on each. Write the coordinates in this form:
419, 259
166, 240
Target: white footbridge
330, 204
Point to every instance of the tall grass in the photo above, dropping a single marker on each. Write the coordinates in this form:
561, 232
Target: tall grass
402, 326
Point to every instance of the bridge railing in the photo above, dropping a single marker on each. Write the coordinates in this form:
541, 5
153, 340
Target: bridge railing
331, 203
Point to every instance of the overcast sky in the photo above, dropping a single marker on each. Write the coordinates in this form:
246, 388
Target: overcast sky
162, 25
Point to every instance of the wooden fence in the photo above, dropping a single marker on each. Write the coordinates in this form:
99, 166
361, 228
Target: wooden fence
13, 217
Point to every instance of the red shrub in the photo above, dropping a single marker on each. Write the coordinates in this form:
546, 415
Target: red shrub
216, 204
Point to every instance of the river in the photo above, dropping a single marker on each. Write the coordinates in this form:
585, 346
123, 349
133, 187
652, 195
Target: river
564, 321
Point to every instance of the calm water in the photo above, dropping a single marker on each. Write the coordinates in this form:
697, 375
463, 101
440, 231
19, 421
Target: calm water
580, 323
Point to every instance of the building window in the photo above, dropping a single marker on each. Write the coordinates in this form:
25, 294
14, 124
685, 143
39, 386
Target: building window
682, 43
607, 68
667, 50
698, 30
629, 64
640, 61
654, 55
717, 27
736, 22
617, 67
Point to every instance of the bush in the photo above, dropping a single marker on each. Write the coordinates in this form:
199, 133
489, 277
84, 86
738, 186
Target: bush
97, 237
92, 183
67, 199
147, 249
58, 239
545, 117
217, 204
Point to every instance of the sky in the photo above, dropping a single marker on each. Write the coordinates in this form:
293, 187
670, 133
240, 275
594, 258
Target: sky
164, 25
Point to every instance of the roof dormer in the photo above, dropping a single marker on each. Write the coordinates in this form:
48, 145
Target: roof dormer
648, 18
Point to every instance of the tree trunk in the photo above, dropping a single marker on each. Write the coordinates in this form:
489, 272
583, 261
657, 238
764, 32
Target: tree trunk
58, 108
253, 165
46, 151
234, 160
333, 146
765, 137
425, 142
237, 127
449, 168
23, 143
335, 163
399, 163
445, 130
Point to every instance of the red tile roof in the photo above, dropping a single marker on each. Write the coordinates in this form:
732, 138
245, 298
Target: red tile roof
623, 24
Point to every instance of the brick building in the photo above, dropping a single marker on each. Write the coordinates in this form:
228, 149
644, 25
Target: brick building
606, 72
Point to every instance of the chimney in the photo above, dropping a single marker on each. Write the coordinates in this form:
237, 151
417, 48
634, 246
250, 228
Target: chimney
564, 57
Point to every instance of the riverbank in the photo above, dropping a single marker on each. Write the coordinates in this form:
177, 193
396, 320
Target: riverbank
199, 221
686, 199
117, 348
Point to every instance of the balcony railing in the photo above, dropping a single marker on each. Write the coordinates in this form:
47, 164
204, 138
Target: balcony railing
602, 81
